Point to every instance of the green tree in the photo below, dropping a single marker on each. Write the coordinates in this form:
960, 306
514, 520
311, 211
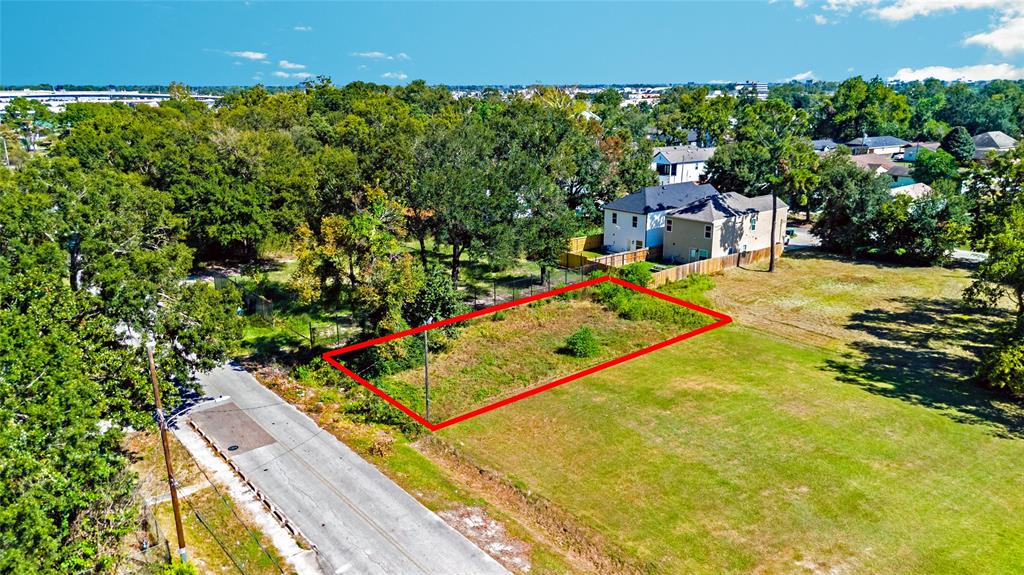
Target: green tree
851, 200
959, 144
933, 166
860, 107
682, 109
770, 150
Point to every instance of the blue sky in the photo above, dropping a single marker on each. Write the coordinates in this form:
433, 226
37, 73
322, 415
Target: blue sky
207, 43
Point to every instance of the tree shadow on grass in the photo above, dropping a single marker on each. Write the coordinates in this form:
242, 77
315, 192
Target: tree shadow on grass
926, 354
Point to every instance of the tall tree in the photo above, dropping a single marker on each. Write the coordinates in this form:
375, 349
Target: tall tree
959, 144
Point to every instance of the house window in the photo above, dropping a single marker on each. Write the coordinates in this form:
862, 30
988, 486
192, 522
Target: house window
707, 231
615, 218
634, 221
668, 225
753, 223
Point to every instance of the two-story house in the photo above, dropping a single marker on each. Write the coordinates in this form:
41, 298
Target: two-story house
638, 220
722, 224
676, 164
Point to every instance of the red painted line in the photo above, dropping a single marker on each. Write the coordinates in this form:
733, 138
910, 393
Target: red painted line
329, 356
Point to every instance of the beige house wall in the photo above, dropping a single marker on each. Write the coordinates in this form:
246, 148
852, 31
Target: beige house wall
728, 235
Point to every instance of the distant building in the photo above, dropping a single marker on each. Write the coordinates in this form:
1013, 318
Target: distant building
824, 146
676, 164
57, 100
996, 141
880, 145
758, 89
722, 224
638, 220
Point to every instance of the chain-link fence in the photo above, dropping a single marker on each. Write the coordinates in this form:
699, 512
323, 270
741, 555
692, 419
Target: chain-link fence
500, 290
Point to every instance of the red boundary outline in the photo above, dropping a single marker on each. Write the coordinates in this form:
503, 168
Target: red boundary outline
329, 356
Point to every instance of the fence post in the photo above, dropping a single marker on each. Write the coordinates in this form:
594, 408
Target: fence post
513, 291
494, 291
311, 340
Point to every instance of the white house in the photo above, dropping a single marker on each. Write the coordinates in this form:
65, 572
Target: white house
638, 220
722, 224
882, 145
676, 164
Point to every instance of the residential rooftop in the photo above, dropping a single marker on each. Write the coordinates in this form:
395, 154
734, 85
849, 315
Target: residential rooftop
722, 206
661, 198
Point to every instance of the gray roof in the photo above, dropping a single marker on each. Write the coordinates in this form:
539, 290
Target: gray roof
822, 145
722, 206
877, 142
994, 140
681, 154
661, 198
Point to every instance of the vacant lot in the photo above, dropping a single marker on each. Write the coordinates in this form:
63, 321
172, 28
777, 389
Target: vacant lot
502, 354
833, 429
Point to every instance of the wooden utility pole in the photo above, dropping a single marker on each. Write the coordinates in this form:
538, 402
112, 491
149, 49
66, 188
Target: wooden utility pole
775, 216
182, 552
426, 369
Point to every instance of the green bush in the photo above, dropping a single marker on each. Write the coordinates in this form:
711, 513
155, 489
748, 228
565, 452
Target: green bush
582, 343
638, 273
1004, 366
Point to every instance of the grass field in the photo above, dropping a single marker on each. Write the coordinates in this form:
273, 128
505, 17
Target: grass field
832, 429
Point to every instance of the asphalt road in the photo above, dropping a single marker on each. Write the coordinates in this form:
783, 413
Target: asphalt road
360, 520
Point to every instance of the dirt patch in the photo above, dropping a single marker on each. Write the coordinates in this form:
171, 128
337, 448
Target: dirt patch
585, 549
490, 536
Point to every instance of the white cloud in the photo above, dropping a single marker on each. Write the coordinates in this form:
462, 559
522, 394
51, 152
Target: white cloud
249, 55
819, 19
907, 9
291, 65
303, 28
967, 73
298, 75
362, 67
1007, 37
394, 75
1005, 34
373, 55
808, 75
378, 55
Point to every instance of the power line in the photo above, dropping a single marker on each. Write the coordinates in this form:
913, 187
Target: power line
214, 535
234, 512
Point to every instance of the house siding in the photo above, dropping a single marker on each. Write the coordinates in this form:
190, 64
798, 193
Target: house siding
622, 236
729, 235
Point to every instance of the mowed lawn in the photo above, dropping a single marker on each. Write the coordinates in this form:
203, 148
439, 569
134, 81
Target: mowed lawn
848, 441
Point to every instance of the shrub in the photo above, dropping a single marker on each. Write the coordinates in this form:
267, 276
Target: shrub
499, 315
1004, 366
582, 343
638, 273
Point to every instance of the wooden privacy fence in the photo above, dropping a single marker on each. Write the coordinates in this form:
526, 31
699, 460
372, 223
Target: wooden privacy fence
591, 242
713, 265
610, 261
